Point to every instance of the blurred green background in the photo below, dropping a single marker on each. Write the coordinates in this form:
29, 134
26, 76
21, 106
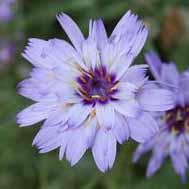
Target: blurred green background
20, 164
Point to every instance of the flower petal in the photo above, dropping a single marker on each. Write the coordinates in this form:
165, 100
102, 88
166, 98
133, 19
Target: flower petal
51, 53
33, 52
89, 130
35, 113
155, 64
156, 99
136, 75
128, 108
179, 158
118, 30
98, 32
29, 88
185, 87
143, 127
64, 54
72, 30
57, 118
130, 31
64, 141
104, 150
108, 55
170, 74
143, 148
76, 146
126, 91
85, 134
120, 65
105, 116
77, 114
121, 129
48, 139
154, 164
90, 53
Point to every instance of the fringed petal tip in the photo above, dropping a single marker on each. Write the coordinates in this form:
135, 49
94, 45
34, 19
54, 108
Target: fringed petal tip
71, 29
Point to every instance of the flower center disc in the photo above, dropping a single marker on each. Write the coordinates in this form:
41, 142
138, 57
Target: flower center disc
178, 119
97, 86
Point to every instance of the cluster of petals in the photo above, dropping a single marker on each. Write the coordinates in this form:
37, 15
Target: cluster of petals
172, 139
88, 94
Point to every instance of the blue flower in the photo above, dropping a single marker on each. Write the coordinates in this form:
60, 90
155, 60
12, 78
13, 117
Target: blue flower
6, 12
173, 137
89, 94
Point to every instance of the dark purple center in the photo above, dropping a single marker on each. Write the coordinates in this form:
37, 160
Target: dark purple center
97, 86
177, 119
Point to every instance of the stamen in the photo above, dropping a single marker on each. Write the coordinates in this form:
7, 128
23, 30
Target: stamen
101, 98
84, 71
86, 98
89, 75
168, 116
83, 79
96, 96
174, 130
83, 91
179, 116
93, 113
108, 77
114, 87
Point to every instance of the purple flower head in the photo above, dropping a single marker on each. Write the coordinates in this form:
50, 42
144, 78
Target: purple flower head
7, 51
89, 94
173, 137
6, 12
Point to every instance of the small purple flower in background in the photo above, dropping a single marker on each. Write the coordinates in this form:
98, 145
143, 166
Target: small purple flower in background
6, 12
89, 94
7, 52
173, 137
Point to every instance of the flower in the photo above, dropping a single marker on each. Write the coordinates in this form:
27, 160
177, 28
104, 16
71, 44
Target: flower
88, 94
7, 51
173, 137
6, 12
